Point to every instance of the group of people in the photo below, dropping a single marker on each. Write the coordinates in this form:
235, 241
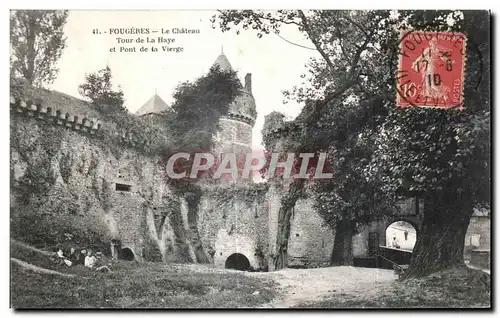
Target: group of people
84, 257
72, 259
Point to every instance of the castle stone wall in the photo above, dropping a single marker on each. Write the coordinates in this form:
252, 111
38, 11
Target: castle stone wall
310, 242
235, 136
87, 186
311, 239
231, 221
479, 232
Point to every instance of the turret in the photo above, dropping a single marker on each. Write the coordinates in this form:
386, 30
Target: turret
236, 127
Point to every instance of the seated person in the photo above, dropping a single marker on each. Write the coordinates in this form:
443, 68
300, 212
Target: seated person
90, 259
92, 262
62, 259
395, 243
75, 256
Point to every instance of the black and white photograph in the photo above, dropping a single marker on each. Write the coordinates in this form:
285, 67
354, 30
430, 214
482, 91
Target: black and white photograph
250, 159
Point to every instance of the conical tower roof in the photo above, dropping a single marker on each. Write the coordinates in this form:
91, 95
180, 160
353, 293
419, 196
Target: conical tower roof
155, 105
223, 63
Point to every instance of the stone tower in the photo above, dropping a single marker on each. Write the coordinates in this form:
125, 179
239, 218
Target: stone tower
235, 135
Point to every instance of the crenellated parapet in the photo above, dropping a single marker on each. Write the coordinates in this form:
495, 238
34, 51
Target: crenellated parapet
57, 117
240, 117
287, 129
82, 124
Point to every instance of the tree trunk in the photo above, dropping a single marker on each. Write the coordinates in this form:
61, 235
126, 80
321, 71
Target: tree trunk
159, 226
342, 246
177, 224
282, 236
287, 203
30, 51
441, 238
194, 234
150, 248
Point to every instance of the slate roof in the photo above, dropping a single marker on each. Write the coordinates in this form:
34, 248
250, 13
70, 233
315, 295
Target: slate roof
154, 105
223, 63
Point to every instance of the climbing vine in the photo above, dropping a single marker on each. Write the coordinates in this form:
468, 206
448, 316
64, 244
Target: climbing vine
38, 177
103, 192
248, 193
66, 163
129, 131
272, 122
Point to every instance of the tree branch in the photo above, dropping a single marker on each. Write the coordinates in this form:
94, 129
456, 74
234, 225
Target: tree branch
352, 77
279, 20
339, 35
360, 27
307, 28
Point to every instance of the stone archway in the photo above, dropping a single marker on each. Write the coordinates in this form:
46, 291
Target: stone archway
237, 261
127, 254
404, 232
226, 245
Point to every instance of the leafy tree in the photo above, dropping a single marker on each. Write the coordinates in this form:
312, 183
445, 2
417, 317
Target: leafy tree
442, 157
18, 86
99, 89
451, 149
198, 107
37, 41
192, 125
350, 200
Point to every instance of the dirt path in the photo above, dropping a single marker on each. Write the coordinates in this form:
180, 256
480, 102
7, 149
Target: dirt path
38, 269
12, 241
299, 286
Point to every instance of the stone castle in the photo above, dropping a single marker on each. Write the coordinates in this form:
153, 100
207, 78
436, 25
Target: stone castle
123, 197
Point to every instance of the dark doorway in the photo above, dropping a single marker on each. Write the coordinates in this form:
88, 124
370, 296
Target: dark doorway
238, 261
127, 254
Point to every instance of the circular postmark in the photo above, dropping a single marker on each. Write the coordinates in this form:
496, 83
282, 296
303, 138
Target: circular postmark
431, 68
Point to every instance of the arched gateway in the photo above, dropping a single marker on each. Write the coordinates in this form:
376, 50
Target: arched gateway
238, 261
127, 254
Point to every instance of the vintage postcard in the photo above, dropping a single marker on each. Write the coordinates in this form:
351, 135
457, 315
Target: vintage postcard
250, 159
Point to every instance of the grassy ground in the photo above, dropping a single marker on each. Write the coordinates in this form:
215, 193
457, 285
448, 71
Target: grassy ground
157, 285
456, 288
131, 285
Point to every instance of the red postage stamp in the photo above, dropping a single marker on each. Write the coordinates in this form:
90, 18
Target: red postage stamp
431, 70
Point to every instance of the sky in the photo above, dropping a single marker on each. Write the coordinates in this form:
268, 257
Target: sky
275, 64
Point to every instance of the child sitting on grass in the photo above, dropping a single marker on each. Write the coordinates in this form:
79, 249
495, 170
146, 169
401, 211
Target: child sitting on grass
92, 262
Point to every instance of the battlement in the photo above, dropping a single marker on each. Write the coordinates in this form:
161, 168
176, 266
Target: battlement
35, 110
286, 129
82, 124
246, 119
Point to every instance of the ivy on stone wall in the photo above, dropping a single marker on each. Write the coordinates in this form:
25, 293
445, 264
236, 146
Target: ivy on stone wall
103, 192
132, 133
249, 193
66, 163
38, 177
93, 164
46, 212
272, 121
